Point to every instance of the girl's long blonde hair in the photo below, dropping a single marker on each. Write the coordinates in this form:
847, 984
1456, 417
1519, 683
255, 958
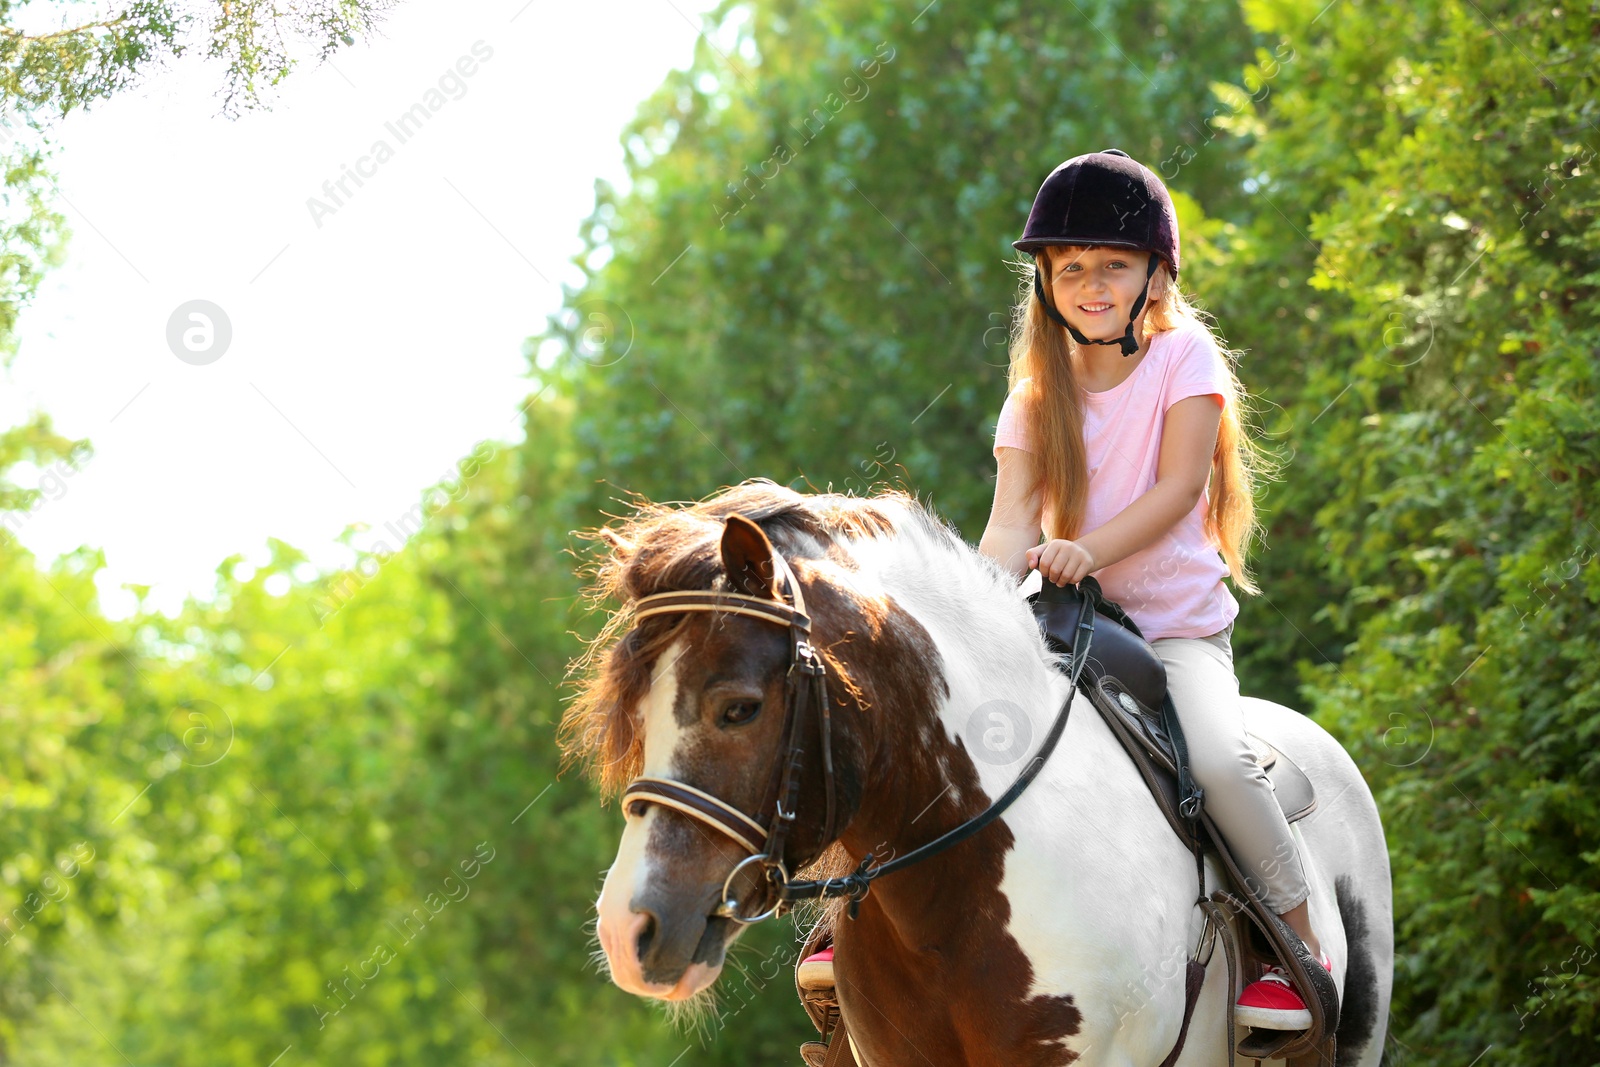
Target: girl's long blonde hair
1053, 405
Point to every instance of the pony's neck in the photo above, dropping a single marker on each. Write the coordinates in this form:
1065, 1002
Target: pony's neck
960, 705
952, 756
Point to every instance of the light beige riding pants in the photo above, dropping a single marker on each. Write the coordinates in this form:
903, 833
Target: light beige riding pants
1205, 692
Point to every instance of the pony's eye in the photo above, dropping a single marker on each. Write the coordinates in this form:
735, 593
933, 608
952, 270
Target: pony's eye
741, 712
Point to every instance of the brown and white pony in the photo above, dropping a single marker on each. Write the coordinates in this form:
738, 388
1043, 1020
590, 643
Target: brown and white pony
1058, 934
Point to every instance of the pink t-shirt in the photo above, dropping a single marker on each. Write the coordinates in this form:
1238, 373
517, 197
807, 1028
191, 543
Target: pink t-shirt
1174, 587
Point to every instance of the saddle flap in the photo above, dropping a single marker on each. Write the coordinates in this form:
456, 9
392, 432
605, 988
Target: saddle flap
1154, 764
1290, 785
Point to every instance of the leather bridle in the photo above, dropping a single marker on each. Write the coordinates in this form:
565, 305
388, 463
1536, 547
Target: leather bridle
804, 690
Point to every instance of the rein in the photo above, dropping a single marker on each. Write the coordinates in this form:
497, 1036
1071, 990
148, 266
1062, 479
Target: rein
804, 689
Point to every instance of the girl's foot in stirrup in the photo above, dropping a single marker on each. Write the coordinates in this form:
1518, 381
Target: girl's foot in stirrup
816, 970
1272, 1002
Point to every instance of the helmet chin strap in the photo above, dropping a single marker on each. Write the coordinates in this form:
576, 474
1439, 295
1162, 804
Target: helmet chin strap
1129, 343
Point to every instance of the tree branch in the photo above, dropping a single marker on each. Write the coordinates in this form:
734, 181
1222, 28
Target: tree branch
18, 35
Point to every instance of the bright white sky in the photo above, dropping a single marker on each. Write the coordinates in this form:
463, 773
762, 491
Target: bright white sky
367, 355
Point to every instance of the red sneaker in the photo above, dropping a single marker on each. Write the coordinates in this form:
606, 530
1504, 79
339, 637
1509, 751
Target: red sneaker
1272, 1003
816, 971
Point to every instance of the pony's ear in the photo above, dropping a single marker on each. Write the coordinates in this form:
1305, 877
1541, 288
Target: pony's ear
747, 557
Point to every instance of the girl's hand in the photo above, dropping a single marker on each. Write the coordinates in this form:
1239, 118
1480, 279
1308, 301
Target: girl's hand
1063, 562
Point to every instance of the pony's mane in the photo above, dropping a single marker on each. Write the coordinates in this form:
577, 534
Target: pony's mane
662, 547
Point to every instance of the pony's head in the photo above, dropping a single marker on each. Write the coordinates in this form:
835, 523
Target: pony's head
698, 698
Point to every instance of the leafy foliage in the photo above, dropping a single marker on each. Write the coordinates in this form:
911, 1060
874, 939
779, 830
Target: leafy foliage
57, 71
1451, 493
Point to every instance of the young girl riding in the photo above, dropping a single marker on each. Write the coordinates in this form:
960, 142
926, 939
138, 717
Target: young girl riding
1121, 442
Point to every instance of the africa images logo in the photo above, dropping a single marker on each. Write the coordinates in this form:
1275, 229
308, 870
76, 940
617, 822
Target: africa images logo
407, 125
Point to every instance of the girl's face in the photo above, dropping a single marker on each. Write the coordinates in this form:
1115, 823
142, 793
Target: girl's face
1094, 288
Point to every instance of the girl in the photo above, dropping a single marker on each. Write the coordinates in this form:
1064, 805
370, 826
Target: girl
1110, 455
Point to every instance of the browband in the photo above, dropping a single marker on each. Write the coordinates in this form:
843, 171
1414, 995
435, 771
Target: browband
737, 603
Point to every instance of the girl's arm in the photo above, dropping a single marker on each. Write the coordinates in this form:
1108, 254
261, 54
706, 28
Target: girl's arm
1014, 519
1188, 440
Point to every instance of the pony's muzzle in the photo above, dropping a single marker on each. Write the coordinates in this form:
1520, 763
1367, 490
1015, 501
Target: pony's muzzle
655, 957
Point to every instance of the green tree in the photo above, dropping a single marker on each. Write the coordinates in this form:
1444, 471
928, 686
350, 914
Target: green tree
1398, 228
1426, 245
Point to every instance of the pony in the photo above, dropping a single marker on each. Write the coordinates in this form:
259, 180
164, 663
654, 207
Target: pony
1056, 935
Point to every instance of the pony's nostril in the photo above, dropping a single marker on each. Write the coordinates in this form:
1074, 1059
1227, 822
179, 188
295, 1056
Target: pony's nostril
647, 934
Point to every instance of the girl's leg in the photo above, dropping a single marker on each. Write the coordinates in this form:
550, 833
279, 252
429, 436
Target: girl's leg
1299, 920
1238, 796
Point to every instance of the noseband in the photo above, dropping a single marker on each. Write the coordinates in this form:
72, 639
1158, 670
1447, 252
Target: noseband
804, 690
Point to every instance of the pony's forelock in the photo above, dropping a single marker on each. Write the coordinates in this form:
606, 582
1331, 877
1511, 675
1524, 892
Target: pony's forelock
662, 548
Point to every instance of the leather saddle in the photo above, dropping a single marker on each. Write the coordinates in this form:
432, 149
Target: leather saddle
1128, 685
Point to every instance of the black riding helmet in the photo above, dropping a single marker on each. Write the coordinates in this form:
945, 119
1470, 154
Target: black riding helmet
1103, 198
